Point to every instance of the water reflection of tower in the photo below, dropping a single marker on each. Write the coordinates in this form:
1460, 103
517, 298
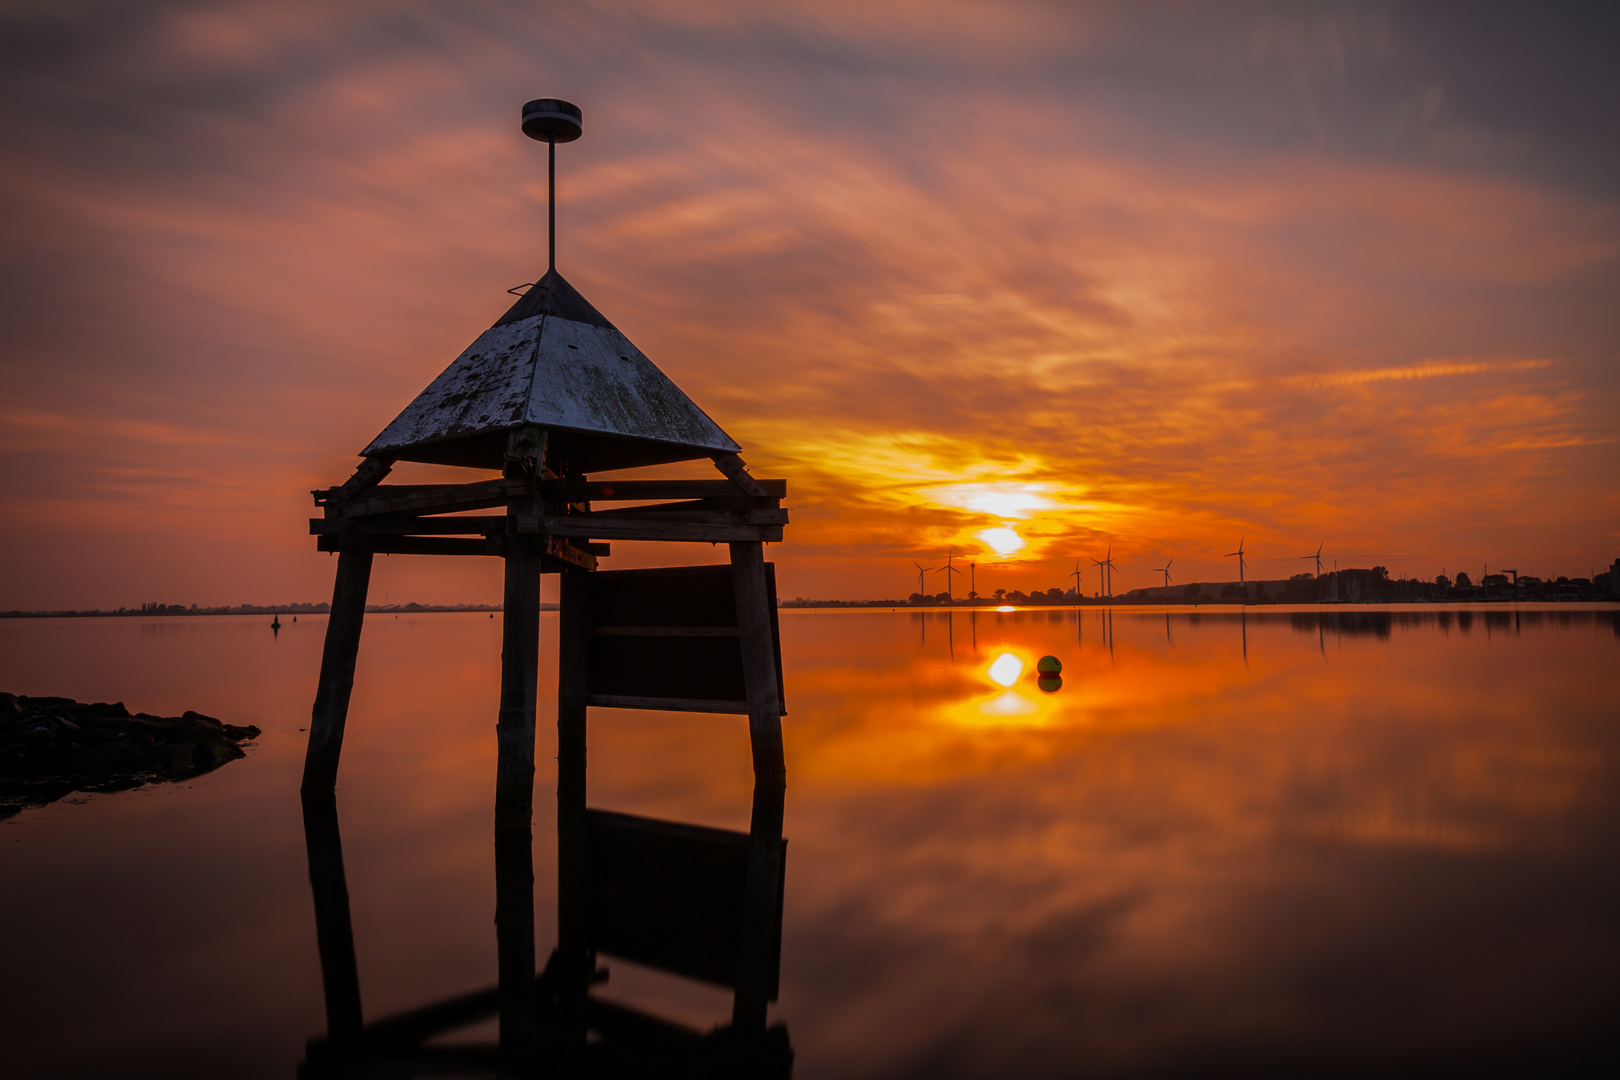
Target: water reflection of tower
661, 894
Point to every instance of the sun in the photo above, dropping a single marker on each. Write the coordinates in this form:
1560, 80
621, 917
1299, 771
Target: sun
1003, 540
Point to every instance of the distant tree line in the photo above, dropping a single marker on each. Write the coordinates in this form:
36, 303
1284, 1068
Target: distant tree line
1354, 585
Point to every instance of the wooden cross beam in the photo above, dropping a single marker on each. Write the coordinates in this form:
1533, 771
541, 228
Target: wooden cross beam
626, 490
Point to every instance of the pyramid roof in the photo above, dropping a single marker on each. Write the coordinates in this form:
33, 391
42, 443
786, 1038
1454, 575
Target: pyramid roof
553, 360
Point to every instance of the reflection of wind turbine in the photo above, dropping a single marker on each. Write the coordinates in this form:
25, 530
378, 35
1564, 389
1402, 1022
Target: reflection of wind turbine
921, 570
1165, 570
948, 570
1317, 557
1239, 554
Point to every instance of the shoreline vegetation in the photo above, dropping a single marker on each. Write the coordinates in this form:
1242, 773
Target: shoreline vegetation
1292, 592
1356, 586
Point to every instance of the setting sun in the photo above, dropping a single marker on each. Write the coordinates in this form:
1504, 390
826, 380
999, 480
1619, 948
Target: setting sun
1008, 500
1003, 540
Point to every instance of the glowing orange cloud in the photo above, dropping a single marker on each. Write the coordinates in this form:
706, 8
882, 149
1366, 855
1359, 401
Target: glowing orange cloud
1078, 328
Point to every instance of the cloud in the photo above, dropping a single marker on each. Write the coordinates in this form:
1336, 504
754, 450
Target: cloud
908, 256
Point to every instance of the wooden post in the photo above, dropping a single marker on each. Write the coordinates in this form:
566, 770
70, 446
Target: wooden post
573, 855
520, 637
520, 660
334, 934
770, 785
337, 671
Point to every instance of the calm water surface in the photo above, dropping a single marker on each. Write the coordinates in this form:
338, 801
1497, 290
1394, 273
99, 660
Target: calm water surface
1276, 840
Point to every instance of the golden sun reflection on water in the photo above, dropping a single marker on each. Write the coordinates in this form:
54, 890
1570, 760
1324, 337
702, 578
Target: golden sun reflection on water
1005, 669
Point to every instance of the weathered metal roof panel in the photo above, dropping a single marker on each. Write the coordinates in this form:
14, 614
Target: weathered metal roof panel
591, 378
552, 295
553, 360
485, 389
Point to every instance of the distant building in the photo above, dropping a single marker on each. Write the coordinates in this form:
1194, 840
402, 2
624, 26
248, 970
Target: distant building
1614, 578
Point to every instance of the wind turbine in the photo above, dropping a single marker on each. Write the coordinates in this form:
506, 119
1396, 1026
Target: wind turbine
921, 570
1100, 565
1165, 570
1108, 561
1239, 554
1077, 585
948, 570
1317, 557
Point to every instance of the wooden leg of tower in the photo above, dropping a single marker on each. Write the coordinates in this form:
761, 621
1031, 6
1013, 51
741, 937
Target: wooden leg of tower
756, 980
514, 801
573, 854
520, 663
337, 671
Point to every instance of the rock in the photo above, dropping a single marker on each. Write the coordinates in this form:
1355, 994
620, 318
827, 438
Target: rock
50, 747
112, 757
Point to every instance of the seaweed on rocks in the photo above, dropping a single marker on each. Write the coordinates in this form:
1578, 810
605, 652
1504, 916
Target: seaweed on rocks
53, 746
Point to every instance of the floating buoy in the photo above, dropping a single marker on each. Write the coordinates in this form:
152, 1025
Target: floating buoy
275, 622
1049, 665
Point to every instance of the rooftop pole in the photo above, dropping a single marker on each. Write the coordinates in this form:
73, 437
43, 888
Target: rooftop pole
551, 121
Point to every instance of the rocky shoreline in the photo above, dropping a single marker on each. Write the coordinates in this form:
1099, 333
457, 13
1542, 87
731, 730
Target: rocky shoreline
53, 746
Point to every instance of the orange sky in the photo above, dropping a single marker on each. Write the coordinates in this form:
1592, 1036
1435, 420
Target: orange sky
1145, 276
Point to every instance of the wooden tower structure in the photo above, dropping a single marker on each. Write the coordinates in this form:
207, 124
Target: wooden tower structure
550, 394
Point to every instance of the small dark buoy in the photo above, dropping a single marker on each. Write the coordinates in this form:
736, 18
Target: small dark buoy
1049, 665
552, 120
1050, 683
275, 622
